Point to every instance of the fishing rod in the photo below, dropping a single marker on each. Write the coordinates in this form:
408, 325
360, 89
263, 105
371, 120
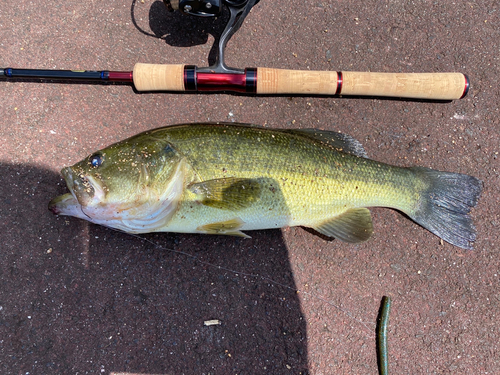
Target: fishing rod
220, 77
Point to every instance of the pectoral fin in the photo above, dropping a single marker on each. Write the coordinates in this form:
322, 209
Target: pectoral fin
354, 225
228, 193
228, 228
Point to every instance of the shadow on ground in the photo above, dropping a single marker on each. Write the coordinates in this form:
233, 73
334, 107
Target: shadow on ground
78, 298
182, 30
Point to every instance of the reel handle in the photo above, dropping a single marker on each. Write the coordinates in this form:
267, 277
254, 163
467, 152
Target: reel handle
431, 86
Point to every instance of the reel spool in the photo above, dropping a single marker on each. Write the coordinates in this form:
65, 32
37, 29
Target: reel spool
202, 8
199, 8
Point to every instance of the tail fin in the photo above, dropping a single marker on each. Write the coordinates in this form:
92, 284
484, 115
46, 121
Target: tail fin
444, 208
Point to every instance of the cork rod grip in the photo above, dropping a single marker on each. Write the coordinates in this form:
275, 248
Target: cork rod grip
437, 86
304, 82
159, 77
434, 86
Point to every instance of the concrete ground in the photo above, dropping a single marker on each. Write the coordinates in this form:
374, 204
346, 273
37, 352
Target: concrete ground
76, 298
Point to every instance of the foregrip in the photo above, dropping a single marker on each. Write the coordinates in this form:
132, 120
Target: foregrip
159, 77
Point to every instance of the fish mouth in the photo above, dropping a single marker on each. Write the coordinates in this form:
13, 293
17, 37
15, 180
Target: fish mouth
84, 191
65, 204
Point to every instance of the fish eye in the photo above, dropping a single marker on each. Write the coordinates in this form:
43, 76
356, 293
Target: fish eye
96, 160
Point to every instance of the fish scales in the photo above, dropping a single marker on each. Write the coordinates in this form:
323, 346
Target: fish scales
229, 178
314, 178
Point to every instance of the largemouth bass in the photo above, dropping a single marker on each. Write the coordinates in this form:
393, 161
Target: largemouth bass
231, 178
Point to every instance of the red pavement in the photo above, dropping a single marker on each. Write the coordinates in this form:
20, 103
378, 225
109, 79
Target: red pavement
80, 299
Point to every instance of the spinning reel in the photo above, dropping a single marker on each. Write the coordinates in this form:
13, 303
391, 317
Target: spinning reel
211, 8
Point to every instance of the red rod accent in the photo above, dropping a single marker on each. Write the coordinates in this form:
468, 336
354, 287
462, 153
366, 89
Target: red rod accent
340, 81
120, 76
221, 82
466, 88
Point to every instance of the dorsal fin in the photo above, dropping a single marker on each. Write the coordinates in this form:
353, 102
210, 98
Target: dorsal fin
342, 142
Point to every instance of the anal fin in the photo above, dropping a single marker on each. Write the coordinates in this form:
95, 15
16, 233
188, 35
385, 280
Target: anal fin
228, 228
354, 225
